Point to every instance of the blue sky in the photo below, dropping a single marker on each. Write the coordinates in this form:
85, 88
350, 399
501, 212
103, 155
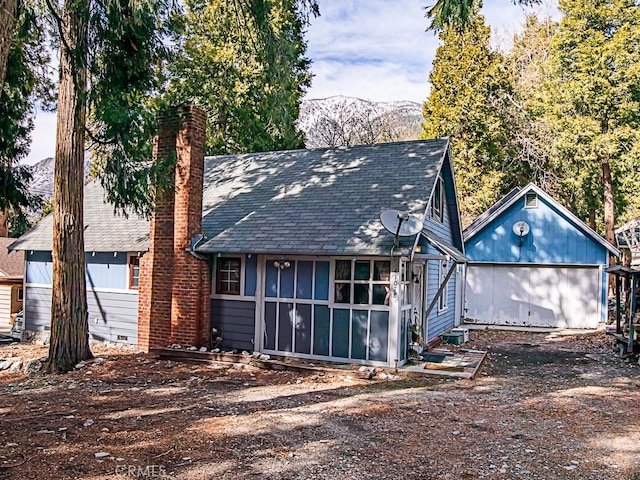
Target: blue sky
372, 49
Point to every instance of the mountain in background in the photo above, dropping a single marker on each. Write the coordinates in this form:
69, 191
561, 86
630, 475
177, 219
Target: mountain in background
328, 122
345, 121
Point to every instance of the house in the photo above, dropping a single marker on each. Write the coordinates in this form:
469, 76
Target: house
533, 263
11, 271
277, 252
628, 240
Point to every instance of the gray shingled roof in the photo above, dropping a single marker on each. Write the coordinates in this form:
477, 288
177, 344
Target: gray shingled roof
11, 263
322, 201
103, 230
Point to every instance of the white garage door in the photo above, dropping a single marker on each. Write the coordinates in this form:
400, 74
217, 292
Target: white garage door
567, 297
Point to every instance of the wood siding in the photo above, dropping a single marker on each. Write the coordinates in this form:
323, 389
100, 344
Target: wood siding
236, 319
5, 307
113, 316
553, 239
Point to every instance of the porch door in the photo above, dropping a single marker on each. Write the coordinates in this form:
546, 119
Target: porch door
296, 310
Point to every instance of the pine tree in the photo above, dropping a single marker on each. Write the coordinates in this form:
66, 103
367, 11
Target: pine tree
594, 102
466, 103
112, 45
243, 63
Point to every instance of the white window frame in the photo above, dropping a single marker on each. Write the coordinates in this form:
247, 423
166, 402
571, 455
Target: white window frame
437, 198
442, 274
214, 278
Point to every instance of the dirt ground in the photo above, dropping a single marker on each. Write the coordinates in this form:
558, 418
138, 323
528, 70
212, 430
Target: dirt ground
543, 406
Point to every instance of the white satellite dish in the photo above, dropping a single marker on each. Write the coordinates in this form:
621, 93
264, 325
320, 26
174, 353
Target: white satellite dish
400, 224
521, 228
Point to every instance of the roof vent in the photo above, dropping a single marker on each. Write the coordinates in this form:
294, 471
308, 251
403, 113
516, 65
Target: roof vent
531, 200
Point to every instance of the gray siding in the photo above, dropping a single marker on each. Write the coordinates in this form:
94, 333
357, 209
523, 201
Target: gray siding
236, 319
111, 314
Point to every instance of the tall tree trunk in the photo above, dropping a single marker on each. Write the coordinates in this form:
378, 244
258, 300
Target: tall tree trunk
592, 218
8, 20
69, 322
8, 16
4, 223
609, 218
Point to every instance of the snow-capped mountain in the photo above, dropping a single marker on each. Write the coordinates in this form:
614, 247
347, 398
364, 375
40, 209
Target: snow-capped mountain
343, 121
326, 122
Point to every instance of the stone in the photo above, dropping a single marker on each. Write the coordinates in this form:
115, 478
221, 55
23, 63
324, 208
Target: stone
88, 422
32, 366
5, 364
245, 353
101, 454
15, 367
11, 445
215, 350
192, 349
203, 349
176, 346
264, 357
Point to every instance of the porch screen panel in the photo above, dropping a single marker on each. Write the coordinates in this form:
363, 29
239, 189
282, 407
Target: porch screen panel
321, 330
270, 325
359, 328
340, 334
271, 281
287, 276
303, 329
304, 282
322, 281
250, 271
379, 335
285, 326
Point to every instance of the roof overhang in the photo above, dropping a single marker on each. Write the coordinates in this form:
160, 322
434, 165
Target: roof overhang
442, 246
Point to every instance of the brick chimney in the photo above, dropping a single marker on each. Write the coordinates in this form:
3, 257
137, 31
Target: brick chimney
174, 295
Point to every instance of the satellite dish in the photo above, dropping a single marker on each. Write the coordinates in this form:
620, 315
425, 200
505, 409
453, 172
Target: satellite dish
400, 224
521, 228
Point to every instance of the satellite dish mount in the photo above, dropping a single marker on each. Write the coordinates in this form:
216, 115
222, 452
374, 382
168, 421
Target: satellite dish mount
401, 224
521, 229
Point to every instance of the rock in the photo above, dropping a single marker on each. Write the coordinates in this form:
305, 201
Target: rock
98, 360
11, 445
81, 365
176, 346
5, 364
88, 422
105, 429
203, 349
245, 353
383, 376
362, 369
256, 355
193, 349
215, 350
15, 367
32, 366
101, 454
46, 431
264, 357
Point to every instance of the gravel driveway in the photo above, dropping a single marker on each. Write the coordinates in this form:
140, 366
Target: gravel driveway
543, 406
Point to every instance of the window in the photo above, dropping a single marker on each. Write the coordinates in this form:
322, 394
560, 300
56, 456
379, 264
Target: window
228, 276
20, 294
362, 282
444, 268
134, 272
531, 200
437, 201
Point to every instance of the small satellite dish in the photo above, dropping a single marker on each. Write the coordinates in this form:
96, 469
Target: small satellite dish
521, 228
400, 224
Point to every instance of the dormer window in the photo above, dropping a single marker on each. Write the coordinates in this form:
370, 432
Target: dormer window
531, 200
437, 201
